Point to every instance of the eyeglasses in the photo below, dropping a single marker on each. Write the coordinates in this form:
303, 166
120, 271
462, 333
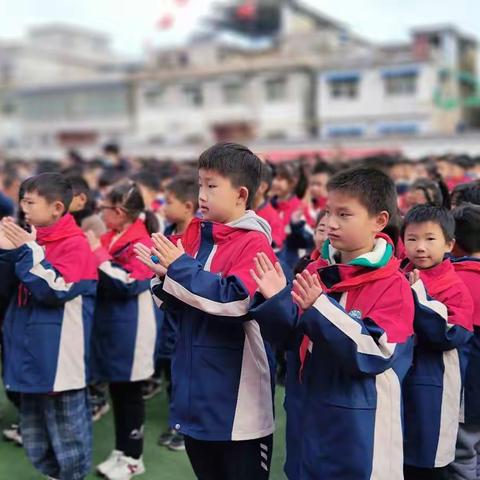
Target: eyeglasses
106, 207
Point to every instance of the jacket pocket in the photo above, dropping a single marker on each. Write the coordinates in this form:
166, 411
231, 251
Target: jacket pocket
351, 392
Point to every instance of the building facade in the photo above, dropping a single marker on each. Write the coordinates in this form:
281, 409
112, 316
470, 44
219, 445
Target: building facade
313, 81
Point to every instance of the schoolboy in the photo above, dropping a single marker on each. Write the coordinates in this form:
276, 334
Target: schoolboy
355, 310
47, 328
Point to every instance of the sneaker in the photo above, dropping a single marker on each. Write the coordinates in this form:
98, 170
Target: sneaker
12, 434
150, 388
109, 463
166, 437
126, 468
99, 410
177, 444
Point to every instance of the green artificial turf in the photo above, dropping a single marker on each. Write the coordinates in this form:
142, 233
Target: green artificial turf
161, 464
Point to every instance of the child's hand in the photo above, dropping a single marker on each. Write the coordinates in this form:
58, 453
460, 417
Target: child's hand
414, 277
144, 255
166, 251
297, 216
269, 278
5, 243
306, 289
93, 240
17, 235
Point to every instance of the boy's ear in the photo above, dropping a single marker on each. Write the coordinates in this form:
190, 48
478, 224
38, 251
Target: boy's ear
243, 194
450, 246
189, 206
381, 220
58, 208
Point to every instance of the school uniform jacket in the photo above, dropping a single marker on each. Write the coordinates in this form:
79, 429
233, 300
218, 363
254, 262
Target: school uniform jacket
222, 378
125, 328
468, 269
356, 350
433, 387
48, 322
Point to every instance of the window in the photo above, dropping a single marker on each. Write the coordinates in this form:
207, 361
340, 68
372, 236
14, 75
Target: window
399, 129
346, 131
193, 95
276, 89
154, 95
344, 88
233, 93
405, 84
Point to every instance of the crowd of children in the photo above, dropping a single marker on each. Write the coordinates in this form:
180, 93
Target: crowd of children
354, 284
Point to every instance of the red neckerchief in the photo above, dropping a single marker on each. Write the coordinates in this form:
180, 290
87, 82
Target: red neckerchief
52, 238
438, 278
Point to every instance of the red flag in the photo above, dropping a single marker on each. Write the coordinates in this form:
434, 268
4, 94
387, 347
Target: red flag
247, 10
165, 22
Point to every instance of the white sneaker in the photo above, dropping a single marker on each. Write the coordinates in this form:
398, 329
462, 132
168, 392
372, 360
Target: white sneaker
106, 466
126, 468
12, 434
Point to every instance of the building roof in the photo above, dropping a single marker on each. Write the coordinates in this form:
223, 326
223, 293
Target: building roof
66, 28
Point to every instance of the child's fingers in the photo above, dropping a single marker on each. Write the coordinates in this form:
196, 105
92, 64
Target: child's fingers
258, 267
299, 289
308, 277
316, 282
255, 277
302, 281
265, 262
298, 300
279, 269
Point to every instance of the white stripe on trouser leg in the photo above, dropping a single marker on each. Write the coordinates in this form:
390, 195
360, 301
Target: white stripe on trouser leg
264, 447
387, 462
452, 385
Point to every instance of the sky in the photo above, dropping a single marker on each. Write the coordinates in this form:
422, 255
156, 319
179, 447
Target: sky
131, 24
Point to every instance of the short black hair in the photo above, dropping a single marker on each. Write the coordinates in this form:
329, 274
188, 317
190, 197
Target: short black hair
52, 186
431, 213
322, 167
467, 227
112, 148
185, 189
372, 187
466, 193
235, 162
148, 179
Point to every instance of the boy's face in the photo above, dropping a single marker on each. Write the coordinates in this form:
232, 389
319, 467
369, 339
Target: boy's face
218, 199
281, 187
39, 212
318, 185
425, 244
320, 234
175, 210
351, 228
